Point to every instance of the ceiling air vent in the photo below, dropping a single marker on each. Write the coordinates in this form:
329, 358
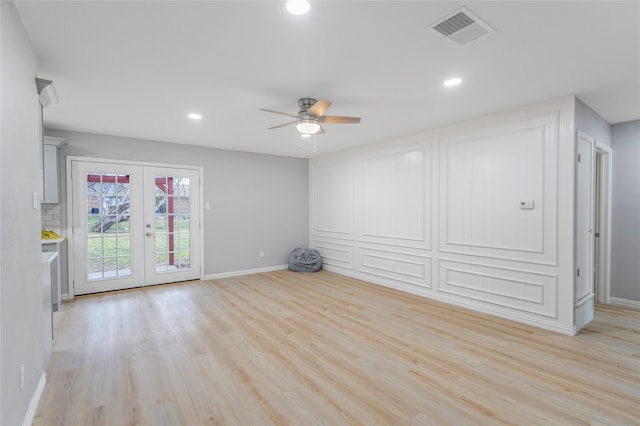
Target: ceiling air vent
462, 27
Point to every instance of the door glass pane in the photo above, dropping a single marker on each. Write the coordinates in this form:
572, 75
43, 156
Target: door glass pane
183, 242
108, 228
181, 205
124, 265
161, 242
162, 262
172, 220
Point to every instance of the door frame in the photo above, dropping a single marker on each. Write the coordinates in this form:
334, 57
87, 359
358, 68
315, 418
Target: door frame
604, 157
582, 300
69, 230
152, 277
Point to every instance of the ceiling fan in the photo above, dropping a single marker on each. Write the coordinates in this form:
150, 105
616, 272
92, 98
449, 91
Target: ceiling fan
311, 115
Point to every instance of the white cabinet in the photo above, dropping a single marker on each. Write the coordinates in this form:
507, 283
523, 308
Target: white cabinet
47, 313
51, 175
50, 246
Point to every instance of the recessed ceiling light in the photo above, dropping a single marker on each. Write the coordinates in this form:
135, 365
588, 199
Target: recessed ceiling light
194, 116
298, 7
452, 82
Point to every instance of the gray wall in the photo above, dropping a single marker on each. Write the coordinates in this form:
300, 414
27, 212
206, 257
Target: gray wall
592, 123
624, 139
21, 314
625, 221
258, 202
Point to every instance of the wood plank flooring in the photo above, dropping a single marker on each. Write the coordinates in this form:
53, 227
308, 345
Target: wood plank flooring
289, 348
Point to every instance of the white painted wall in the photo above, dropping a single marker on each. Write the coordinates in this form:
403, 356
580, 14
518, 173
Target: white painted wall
258, 202
592, 123
438, 214
625, 221
21, 312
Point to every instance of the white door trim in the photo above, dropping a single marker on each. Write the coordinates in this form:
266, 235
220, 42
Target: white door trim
604, 154
584, 235
69, 229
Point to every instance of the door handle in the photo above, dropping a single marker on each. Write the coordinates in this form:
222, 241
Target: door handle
149, 234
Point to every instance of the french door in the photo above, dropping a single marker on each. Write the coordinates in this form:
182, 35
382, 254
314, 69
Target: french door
133, 225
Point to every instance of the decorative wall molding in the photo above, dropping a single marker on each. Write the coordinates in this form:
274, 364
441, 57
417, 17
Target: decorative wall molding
335, 253
494, 257
510, 314
333, 200
485, 175
513, 288
402, 267
465, 239
396, 197
584, 311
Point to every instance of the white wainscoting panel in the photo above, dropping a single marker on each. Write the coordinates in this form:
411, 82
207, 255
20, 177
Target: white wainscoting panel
396, 197
484, 179
333, 200
401, 267
439, 214
584, 311
522, 290
335, 253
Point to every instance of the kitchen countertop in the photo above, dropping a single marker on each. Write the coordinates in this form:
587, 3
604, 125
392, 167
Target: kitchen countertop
53, 241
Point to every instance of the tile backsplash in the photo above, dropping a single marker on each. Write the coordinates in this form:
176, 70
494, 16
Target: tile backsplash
51, 217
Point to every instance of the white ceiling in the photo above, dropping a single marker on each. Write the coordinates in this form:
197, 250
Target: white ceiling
136, 69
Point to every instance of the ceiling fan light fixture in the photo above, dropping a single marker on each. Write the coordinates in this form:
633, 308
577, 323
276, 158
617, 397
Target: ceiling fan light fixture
311, 116
298, 7
308, 126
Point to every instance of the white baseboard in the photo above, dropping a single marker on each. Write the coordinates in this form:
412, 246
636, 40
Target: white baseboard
245, 272
624, 303
33, 405
458, 301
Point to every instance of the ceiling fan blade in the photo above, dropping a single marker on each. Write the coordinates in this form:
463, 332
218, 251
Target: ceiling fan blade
279, 112
321, 131
283, 125
338, 119
319, 108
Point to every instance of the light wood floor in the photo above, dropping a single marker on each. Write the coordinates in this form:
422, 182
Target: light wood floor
320, 349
